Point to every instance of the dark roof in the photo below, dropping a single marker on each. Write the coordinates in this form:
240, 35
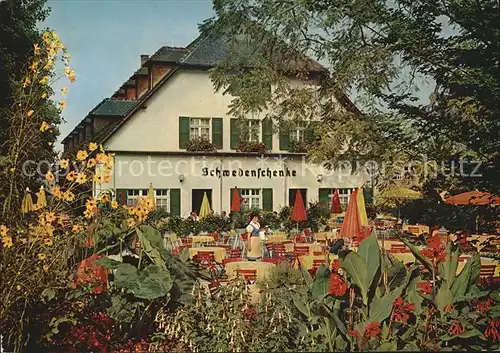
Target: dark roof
143, 71
114, 107
129, 82
206, 52
168, 54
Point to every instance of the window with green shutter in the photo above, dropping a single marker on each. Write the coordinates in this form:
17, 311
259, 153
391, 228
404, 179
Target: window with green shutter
267, 199
284, 138
368, 194
175, 202
121, 196
267, 133
183, 132
324, 197
217, 132
235, 133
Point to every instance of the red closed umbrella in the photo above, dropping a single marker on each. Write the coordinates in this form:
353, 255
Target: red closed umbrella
351, 227
473, 198
335, 205
236, 201
299, 211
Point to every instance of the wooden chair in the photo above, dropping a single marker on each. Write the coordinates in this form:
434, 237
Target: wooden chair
318, 253
278, 250
205, 259
414, 230
231, 259
398, 247
249, 275
234, 253
487, 270
316, 264
301, 250
275, 260
309, 235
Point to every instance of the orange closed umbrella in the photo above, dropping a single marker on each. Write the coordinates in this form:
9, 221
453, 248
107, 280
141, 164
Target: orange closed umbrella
351, 227
473, 198
335, 205
299, 211
236, 201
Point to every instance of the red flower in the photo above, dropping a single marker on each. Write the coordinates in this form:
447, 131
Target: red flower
483, 306
354, 333
434, 242
448, 308
435, 250
492, 330
337, 285
250, 314
335, 265
456, 328
372, 330
425, 287
401, 311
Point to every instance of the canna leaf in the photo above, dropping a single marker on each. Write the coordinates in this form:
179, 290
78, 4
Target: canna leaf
370, 252
356, 268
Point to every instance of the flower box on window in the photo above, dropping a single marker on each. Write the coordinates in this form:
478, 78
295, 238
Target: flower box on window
299, 146
200, 144
252, 147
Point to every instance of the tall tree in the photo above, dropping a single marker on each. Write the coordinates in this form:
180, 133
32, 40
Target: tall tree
382, 51
21, 140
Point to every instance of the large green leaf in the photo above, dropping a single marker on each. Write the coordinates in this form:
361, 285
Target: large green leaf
108, 263
150, 283
388, 347
425, 261
450, 265
381, 307
370, 253
319, 288
444, 297
466, 334
152, 253
412, 296
126, 276
307, 276
468, 275
121, 309
336, 318
355, 267
301, 305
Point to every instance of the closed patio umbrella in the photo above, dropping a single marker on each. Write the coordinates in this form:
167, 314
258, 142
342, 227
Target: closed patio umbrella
205, 209
151, 193
41, 200
236, 200
299, 211
363, 218
335, 205
27, 204
351, 227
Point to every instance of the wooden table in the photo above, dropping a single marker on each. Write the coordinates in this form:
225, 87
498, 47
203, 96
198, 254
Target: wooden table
261, 267
276, 237
219, 253
416, 229
326, 235
313, 247
202, 238
307, 260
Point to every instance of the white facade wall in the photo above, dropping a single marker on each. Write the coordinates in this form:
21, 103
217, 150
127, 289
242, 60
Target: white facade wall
147, 151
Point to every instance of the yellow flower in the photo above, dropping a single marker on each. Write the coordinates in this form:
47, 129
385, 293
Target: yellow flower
50, 177
7, 241
48, 241
107, 178
27, 81
41, 256
130, 222
33, 67
88, 213
101, 158
50, 143
18, 287
64, 91
63, 163
114, 204
104, 197
56, 191
44, 95
90, 204
69, 196
81, 155
44, 126
30, 114
90, 162
67, 70
36, 48
44, 80
62, 105
45, 267
23, 240
81, 178
77, 228
149, 203
3, 230
50, 217
99, 178
92, 146
49, 64
71, 176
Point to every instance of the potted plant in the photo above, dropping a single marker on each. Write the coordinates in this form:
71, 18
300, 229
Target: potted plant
259, 147
200, 144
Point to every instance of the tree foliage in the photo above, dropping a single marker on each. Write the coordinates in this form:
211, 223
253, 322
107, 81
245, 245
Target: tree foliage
384, 52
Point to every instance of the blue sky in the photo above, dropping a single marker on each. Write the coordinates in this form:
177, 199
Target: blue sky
105, 39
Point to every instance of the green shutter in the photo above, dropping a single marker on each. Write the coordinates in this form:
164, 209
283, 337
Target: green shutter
323, 197
368, 194
217, 132
175, 202
235, 134
183, 132
291, 196
121, 196
267, 133
267, 199
284, 138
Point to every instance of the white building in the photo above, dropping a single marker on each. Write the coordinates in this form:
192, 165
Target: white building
169, 101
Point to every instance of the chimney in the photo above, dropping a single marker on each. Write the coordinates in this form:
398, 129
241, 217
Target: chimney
144, 58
